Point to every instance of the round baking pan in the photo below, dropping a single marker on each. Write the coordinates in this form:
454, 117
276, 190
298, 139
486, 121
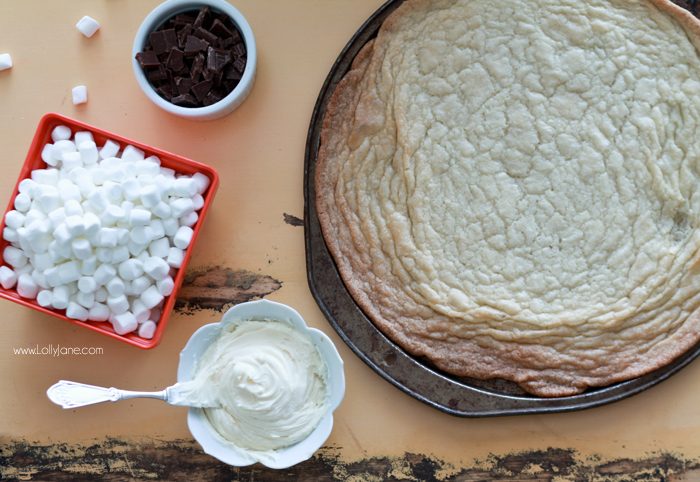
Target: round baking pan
457, 396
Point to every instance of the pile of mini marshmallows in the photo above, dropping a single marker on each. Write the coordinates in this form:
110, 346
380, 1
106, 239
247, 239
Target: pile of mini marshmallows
100, 235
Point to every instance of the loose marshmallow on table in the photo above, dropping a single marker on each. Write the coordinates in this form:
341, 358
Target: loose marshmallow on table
79, 94
99, 235
87, 26
5, 61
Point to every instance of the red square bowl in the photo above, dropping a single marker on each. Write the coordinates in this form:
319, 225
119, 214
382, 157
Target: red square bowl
180, 164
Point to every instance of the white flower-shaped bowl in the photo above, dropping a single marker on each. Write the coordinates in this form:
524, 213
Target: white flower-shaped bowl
212, 443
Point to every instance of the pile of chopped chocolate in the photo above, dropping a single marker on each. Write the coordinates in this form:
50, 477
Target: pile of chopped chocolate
195, 58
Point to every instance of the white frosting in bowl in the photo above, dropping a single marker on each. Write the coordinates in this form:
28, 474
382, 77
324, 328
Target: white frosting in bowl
269, 382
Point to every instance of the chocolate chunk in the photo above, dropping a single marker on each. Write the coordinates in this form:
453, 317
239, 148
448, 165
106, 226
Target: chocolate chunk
217, 59
231, 73
238, 50
183, 19
183, 85
197, 67
147, 59
194, 45
182, 35
201, 17
157, 41
165, 91
201, 89
239, 65
176, 59
219, 29
157, 76
184, 100
211, 98
205, 35
170, 38
229, 85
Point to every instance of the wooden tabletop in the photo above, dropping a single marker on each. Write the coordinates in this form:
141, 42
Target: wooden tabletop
251, 246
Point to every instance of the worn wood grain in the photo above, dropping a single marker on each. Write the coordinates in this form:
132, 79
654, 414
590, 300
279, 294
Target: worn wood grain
183, 460
217, 288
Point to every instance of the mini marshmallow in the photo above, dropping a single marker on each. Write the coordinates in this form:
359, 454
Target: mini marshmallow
53, 277
22, 202
69, 271
189, 219
40, 279
42, 261
59, 148
104, 255
8, 278
98, 312
124, 323
49, 198
120, 254
10, 234
182, 237
98, 201
88, 152
201, 181
76, 312
104, 273
14, 219
81, 248
116, 286
131, 189
83, 136
5, 61
87, 26
151, 297
86, 300
140, 311
159, 247
69, 191
162, 210
14, 257
185, 187
132, 153
146, 168
181, 206
139, 217
122, 236
165, 286
92, 225
28, 186
70, 161
135, 248
101, 295
175, 257
108, 238
61, 234
110, 149
147, 329
61, 133
130, 269
44, 298
198, 202
150, 195
71, 208
79, 94
87, 284
167, 172
156, 268
113, 191
47, 155
139, 285
170, 226
75, 225
112, 215
140, 235
118, 304
61, 297
26, 286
